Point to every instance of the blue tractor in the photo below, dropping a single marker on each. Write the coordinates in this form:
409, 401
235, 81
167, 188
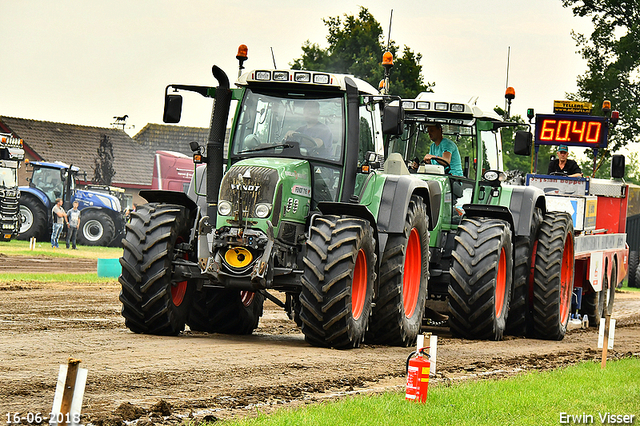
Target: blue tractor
102, 220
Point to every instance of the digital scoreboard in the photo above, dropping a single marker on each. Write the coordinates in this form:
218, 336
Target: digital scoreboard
575, 130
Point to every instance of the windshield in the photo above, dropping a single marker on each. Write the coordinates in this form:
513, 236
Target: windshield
303, 125
8, 177
48, 181
415, 142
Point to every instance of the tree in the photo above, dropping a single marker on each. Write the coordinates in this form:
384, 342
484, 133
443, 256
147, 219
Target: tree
612, 53
103, 171
356, 47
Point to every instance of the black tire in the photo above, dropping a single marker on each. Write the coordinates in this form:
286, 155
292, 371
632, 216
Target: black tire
635, 271
519, 322
151, 302
337, 284
96, 228
632, 273
292, 307
225, 311
481, 279
553, 277
34, 219
593, 307
397, 314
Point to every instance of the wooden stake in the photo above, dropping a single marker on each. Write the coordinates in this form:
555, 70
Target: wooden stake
605, 342
69, 388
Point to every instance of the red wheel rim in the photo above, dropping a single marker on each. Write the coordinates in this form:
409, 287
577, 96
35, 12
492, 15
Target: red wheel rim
412, 273
501, 283
566, 276
246, 297
178, 290
359, 285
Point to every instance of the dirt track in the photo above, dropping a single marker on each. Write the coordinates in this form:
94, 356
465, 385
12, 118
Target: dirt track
41, 325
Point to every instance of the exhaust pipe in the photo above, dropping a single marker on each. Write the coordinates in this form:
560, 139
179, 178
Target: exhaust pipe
215, 144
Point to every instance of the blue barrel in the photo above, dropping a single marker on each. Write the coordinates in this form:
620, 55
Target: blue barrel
109, 268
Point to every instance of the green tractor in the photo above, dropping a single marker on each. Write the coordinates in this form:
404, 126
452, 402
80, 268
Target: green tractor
303, 205
500, 261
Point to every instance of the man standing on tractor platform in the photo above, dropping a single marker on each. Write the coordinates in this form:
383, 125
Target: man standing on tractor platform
59, 218
444, 149
73, 223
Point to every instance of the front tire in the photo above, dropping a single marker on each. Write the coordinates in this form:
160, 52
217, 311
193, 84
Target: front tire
337, 284
553, 277
225, 311
34, 219
152, 302
96, 228
519, 321
481, 279
404, 272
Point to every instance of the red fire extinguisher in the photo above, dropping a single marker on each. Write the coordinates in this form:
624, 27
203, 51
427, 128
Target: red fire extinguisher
418, 375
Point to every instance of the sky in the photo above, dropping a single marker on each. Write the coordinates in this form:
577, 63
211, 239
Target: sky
86, 61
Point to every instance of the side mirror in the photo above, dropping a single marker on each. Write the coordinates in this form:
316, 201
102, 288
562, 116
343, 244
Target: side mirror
172, 108
522, 143
617, 166
393, 120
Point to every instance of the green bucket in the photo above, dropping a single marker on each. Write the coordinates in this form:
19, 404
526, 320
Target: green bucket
109, 268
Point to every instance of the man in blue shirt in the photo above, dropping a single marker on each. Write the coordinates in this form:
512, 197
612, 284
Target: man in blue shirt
443, 148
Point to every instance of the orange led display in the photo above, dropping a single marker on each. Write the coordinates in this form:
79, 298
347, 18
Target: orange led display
571, 130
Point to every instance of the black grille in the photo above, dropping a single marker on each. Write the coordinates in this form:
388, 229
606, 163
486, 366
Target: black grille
246, 186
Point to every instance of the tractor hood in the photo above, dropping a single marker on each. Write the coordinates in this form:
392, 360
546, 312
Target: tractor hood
96, 199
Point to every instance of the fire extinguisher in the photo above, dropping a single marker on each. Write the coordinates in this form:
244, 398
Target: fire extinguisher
418, 375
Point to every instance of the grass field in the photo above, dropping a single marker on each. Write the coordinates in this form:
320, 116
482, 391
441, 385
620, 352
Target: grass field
538, 398
43, 248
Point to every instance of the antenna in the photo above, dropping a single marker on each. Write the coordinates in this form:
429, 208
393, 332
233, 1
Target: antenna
506, 85
389, 35
275, 67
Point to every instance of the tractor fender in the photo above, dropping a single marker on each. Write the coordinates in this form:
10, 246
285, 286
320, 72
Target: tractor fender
36, 193
489, 211
524, 199
170, 197
395, 198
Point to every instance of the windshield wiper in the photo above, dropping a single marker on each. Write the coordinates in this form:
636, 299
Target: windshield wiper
265, 148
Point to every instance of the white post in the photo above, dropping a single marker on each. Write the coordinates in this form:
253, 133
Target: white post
67, 401
433, 354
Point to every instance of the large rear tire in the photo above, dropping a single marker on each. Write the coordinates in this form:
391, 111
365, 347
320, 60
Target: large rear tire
337, 284
96, 228
519, 321
152, 302
404, 272
225, 311
481, 279
34, 220
553, 277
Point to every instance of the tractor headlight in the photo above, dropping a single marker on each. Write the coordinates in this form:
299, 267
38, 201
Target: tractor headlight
224, 208
263, 210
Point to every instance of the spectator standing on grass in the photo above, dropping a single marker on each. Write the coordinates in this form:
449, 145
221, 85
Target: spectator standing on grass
59, 218
73, 224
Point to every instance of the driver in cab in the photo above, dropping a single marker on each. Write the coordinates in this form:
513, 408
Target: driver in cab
443, 149
314, 129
